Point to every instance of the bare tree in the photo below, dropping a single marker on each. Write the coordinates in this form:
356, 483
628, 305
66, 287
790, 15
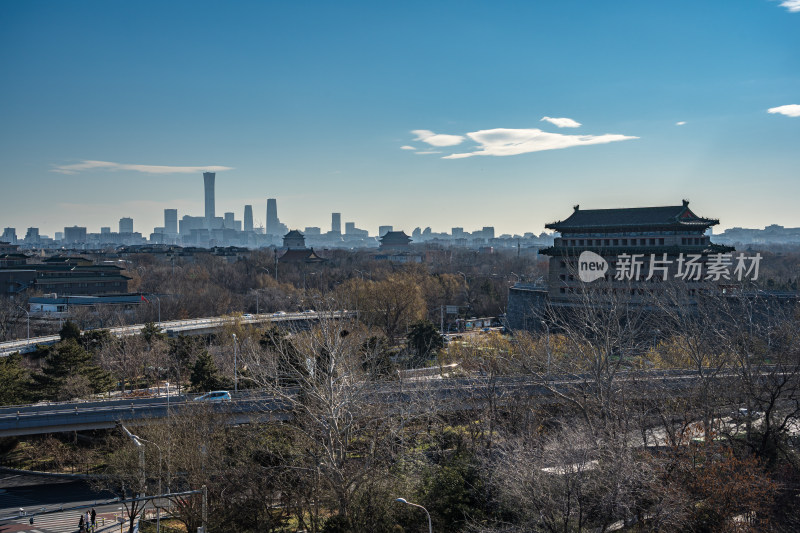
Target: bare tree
325, 379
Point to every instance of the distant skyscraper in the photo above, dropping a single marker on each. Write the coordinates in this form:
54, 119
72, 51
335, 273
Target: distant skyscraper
208, 179
229, 223
171, 221
349, 227
272, 217
75, 234
126, 225
105, 230
9, 235
336, 222
248, 218
32, 236
383, 230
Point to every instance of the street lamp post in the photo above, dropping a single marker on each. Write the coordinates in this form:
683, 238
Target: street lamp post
169, 446
137, 437
430, 525
466, 289
28, 317
235, 365
548, 345
158, 300
139, 445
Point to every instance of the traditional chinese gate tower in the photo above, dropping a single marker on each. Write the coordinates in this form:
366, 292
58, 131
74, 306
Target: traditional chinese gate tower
640, 245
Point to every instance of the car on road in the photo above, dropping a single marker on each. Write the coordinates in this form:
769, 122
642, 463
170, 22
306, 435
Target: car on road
214, 396
247, 315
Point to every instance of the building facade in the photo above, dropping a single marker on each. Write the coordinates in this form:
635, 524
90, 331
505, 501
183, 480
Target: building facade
628, 254
631, 247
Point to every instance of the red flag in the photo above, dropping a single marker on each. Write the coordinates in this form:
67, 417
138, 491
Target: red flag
145, 299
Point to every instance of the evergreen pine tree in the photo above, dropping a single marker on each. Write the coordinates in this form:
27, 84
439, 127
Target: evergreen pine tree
205, 374
70, 330
424, 339
68, 361
15, 380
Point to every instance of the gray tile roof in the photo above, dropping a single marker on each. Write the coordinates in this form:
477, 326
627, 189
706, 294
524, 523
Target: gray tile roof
675, 215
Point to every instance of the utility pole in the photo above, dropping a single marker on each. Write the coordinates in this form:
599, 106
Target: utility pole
235, 365
28, 316
139, 445
205, 509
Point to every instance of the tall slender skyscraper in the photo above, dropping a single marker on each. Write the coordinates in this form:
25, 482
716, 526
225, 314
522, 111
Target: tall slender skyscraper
208, 179
272, 217
336, 222
171, 221
248, 218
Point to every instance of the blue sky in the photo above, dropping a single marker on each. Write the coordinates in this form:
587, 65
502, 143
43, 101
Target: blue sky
409, 114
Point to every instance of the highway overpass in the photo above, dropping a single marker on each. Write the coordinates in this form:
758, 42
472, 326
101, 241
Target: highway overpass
451, 394
173, 328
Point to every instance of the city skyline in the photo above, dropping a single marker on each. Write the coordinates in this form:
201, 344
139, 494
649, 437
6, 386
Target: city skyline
444, 115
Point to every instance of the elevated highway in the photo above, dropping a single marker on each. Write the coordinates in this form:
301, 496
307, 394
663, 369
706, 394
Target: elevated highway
452, 394
173, 328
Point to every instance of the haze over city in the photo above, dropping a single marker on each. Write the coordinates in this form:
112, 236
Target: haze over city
415, 114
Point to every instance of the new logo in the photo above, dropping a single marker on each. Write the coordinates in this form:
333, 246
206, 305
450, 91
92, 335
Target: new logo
591, 266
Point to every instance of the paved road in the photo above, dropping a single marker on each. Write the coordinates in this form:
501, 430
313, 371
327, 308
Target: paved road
34, 493
175, 327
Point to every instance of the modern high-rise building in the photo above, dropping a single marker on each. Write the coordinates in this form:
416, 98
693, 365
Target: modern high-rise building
126, 225
208, 179
383, 230
336, 222
272, 216
75, 234
228, 221
105, 230
248, 218
32, 236
9, 235
171, 221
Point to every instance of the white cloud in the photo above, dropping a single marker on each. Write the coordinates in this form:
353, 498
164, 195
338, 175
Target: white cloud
407, 147
505, 141
428, 152
562, 122
147, 169
681, 123
437, 139
792, 6
791, 110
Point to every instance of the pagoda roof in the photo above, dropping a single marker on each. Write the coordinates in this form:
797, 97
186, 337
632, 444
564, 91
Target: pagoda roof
674, 216
306, 255
395, 237
294, 234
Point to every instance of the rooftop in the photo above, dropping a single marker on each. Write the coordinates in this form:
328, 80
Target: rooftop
667, 216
